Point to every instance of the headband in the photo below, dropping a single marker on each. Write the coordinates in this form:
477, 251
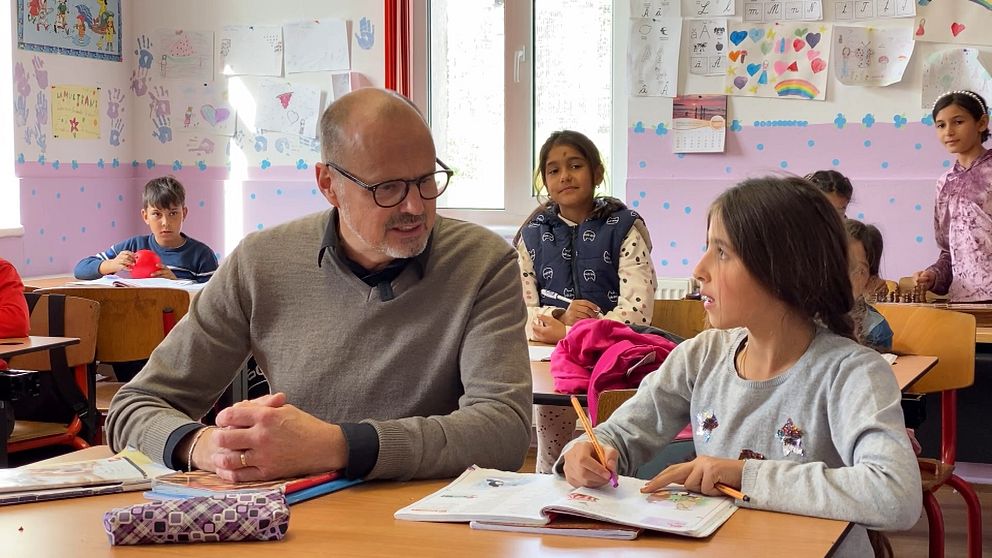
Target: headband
975, 96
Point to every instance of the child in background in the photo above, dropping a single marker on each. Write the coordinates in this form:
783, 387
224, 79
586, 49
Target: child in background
163, 210
593, 250
876, 287
835, 186
962, 217
784, 404
870, 327
14, 318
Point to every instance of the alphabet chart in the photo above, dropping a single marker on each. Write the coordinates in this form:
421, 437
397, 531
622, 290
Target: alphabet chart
710, 8
653, 56
707, 44
857, 10
779, 10
656, 8
699, 123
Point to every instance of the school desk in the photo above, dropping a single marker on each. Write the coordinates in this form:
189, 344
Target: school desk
907, 368
983, 335
359, 522
19, 346
47, 281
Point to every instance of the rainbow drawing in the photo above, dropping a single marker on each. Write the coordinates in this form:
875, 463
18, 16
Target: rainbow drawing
796, 87
984, 3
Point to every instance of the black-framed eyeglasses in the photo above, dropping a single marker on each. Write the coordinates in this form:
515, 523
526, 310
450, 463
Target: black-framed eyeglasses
391, 193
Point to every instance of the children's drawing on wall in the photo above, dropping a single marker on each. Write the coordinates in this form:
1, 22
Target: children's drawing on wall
869, 56
139, 75
656, 8
22, 88
779, 10
699, 123
710, 8
282, 106
653, 56
707, 45
160, 113
200, 146
316, 45
185, 54
954, 21
206, 109
365, 37
115, 112
954, 69
860, 10
87, 28
75, 112
787, 60
251, 50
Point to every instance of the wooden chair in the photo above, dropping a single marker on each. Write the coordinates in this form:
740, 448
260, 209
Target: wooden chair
950, 336
610, 400
685, 318
72, 371
133, 321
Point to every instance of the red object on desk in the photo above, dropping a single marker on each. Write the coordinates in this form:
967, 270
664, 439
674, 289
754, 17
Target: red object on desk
146, 262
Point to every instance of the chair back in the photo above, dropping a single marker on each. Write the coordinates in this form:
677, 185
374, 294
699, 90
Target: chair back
950, 336
610, 400
133, 320
685, 318
80, 319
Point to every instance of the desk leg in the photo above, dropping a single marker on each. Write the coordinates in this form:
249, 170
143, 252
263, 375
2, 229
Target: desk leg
6, 413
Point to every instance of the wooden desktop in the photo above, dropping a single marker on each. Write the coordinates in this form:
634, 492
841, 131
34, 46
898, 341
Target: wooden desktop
359, 522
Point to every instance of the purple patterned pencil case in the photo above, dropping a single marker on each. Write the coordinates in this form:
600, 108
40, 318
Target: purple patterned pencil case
259, 516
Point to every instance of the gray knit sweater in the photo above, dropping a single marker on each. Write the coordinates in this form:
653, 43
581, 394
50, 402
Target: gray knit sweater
830, 430
440, 371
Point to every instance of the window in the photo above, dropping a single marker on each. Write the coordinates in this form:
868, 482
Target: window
10, 206
501, 76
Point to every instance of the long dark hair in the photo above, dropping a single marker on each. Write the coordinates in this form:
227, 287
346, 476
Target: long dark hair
831, 181
871, 238
970, 101
793, 243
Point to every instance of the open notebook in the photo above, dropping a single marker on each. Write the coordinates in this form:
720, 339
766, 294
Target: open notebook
115, 281
488, 497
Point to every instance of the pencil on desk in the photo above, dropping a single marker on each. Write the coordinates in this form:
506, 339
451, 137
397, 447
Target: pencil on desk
587, 426
732, 492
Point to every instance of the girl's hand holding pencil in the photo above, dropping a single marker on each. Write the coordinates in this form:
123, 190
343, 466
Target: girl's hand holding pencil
712, 476
577, 309
590, 464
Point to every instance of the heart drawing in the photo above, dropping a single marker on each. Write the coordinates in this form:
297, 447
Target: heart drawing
818, 65
813, 39
214, 116
811, 54
957, 28
737, 37
740, 82
735, 54
798, 44
780, 67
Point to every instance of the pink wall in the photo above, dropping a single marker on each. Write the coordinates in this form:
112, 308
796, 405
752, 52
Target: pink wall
893, 167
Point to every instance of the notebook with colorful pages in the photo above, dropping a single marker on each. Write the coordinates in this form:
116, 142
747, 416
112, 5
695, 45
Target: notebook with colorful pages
205, 483
126, 471
487, 497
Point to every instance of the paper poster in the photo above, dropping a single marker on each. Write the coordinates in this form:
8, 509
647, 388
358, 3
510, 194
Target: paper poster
952, 70
860, 10
87, 28
707, 44
204, 109
869, 56
787, 60
709, 8
75, 112
185, 54
699, 123
282, 106
316, 45
653, 56
779, 10
954, 21
340, 85
251, 50
655, 8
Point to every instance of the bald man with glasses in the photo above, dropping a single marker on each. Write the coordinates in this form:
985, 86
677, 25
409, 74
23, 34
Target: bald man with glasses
392, 337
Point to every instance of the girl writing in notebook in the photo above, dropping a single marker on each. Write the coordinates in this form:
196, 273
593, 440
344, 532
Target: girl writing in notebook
962, 218
581, 257
784, 404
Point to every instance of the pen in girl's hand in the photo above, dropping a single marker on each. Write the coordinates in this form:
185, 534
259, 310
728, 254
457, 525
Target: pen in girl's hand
547, 293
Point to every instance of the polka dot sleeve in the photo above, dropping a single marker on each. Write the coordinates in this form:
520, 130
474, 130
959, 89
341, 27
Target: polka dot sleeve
637, 280
527, 277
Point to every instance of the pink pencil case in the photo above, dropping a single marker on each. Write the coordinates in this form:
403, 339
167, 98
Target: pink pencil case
260, 516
